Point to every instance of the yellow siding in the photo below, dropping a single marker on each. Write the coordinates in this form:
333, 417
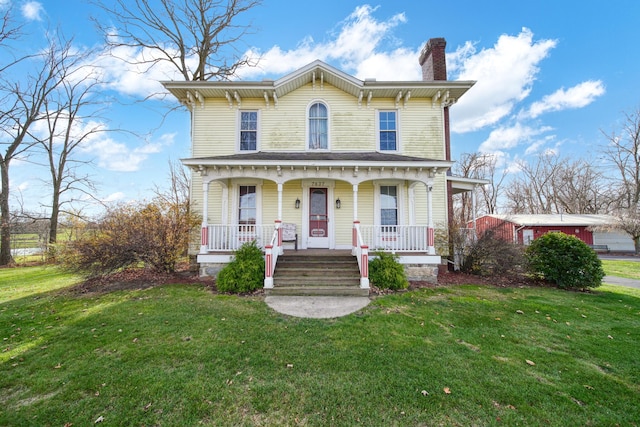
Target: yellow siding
351, 127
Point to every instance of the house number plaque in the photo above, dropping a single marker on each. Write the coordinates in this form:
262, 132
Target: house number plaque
317, 183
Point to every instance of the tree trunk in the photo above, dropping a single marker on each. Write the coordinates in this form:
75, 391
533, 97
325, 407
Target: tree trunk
636, 241
5, 217
55, 213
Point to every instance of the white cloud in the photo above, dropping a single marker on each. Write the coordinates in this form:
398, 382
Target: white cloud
505, 138
118, 156
356, 46
504, 73
32, 10
114, 197
577, 96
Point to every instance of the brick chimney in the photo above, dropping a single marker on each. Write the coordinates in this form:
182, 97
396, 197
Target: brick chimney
434, 67
432, 60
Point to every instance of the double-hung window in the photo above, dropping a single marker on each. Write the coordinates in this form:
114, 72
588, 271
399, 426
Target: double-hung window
388, 206
318, 127
248, 130
247, 208
388, 130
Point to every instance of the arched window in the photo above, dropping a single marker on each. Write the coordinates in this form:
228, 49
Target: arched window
318, 127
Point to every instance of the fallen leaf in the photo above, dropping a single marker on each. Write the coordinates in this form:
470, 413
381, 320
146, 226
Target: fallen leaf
425, 393
583, 316
610, 337
588, 387
99, 419
147, 406
519, 311
529, 362
135, 340
447, 390
289, 365
58, 366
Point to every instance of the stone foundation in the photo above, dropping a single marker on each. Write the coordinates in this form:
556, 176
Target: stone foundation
211, 269
422, 272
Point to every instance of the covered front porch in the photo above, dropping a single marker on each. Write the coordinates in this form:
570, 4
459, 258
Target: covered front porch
360, 202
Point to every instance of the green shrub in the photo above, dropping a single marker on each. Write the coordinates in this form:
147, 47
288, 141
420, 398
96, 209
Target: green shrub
245, 273
386, 272
565, 260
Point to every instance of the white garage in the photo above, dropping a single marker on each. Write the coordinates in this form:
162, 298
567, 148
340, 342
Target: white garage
616, 241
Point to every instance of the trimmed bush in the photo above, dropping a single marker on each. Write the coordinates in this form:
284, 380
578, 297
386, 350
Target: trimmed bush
565, 260
245, 273
386, 272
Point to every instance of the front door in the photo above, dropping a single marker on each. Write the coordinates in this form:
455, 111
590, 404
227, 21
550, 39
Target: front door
318, 219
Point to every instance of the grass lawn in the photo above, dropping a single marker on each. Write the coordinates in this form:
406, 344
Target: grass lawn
179, 355
628, 269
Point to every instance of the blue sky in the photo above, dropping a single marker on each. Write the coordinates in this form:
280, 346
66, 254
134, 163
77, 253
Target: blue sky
550, 75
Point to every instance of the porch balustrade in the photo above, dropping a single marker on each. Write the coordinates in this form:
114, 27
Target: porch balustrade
396, 238
228, 238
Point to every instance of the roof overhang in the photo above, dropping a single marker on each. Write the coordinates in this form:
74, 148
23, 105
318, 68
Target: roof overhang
318, 74
461, 184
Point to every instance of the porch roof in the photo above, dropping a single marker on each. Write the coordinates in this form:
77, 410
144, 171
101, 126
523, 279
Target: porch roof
279, 157
352, 166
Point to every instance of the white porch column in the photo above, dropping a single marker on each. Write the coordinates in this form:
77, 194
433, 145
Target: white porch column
280, 201
279, 220
431, 250
473, 209
204, 235
355, 202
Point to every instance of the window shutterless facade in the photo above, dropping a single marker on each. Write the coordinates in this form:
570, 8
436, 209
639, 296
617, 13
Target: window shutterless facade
388, 205
388, 130
247, 206
318, 128
248, 131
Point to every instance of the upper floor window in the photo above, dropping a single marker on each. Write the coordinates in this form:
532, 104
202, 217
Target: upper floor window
388, 130
388, 205
248, 130
318, 127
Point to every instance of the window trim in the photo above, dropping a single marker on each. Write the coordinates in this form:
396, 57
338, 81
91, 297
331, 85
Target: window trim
377, 204
235, 213
308, 127
239, 130
378, 131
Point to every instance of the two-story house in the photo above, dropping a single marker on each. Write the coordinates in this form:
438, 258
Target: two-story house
341, 163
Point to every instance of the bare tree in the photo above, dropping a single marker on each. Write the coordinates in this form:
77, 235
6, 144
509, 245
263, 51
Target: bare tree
70, 114
21, 102
197, 37
622, 153
9, 31
552, 184
480, 166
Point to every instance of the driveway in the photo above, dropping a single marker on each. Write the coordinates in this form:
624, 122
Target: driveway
621, 281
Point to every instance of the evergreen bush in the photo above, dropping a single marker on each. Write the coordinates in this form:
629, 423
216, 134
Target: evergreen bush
245, 273
386, 272
564, 260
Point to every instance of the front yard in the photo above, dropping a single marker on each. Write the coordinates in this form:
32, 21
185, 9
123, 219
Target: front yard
178, 355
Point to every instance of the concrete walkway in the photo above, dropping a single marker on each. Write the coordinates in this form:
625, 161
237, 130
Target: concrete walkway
316, 307
621, 281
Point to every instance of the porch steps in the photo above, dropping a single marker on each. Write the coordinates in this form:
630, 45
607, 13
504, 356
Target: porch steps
315, 274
